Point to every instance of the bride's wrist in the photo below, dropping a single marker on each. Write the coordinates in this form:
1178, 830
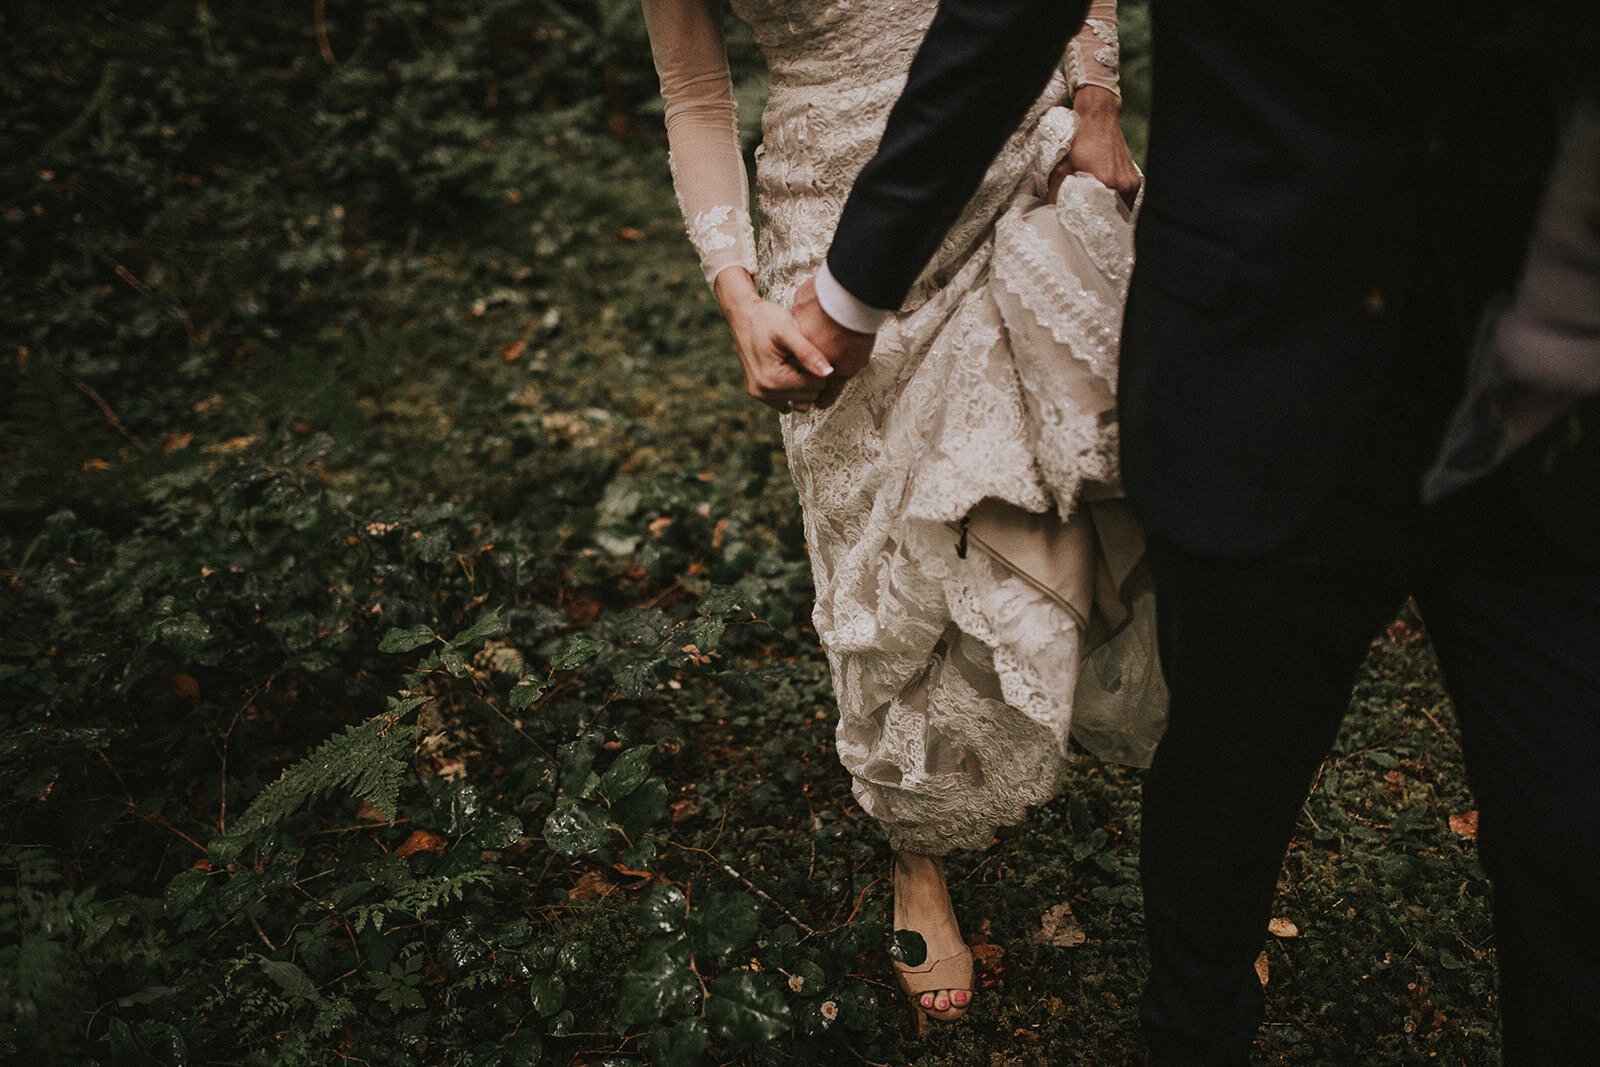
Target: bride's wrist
736, 292
1096, 102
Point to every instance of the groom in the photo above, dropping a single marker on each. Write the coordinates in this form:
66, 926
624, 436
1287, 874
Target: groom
1335, 195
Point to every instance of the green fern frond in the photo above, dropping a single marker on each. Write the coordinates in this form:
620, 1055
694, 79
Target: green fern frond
367, 761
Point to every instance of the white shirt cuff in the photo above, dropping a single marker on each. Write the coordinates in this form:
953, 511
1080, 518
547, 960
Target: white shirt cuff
844, 308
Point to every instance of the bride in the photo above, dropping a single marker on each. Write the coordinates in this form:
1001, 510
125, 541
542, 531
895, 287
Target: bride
980, 592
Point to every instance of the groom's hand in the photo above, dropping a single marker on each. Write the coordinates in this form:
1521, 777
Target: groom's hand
1098, 148
845, 349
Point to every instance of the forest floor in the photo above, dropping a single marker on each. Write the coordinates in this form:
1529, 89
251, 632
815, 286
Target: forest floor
502, 480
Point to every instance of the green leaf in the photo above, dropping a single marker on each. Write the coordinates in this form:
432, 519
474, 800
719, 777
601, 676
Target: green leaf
659, 984
642, 808
185, 634
548, 994
222, 851
576, 829
497, 830
723, 922
489, 624
908, 948
746, 1009
663, 909
183, 891
525, 692
682, 1045
456, 804
290, 978
575, 651
626, 772
720, 600
398, 640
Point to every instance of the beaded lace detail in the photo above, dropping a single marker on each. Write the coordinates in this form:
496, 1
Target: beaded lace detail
956, 679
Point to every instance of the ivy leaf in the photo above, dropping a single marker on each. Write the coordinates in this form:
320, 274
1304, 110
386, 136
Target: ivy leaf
575, 651
398, 640
548, 993
659, 984
747, 1010
626, 772
723, 922
525, 692
908, 948
290, 978
576, 829
489, 624
683, 1045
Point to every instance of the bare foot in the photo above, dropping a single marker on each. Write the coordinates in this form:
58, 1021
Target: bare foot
922, 904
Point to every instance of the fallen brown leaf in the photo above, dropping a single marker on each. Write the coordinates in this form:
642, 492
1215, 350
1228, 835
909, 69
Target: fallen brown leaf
1466, 824
511, 351
629, 233
1262, 969
421, 841
1059, 927
185, 686
591, 885
1283, 928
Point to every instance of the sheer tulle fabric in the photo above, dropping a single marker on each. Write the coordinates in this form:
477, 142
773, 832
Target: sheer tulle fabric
979, 588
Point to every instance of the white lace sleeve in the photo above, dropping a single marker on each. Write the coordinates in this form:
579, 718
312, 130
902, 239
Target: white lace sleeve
1092, 57
703, 131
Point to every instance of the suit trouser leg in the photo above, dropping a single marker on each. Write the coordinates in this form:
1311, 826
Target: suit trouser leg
1516, 623
1260, 656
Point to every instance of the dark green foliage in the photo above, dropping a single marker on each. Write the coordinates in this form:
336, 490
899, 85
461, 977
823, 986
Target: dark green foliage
403, 645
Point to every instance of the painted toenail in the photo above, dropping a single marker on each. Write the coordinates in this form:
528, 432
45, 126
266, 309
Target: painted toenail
927, 1001
942, 1004
961, 996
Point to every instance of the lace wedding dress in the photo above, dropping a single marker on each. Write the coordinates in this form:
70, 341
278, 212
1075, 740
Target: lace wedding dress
979, 588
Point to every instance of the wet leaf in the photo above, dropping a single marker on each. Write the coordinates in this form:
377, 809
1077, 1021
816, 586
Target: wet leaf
575, 651
723, 922
489, 624
680, 1045
745, 1009
659, 984
406, 640
290, 978
663, 910
576, 829
642, 808
548, 994
626, 772
525, 692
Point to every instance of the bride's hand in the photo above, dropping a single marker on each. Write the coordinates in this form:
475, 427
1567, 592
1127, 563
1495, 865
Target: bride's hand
1098, 148
782, 369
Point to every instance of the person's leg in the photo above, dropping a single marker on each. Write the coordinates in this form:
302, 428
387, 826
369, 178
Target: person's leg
1516, 623
1260, 657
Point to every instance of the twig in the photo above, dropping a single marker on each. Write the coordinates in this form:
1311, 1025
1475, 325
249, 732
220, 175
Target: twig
321, 17
106, 410
748, 884
262, 934
861, 899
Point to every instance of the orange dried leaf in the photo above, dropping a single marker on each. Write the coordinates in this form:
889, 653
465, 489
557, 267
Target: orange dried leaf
510, 352
1262, 970
421, 841
184, 685
629, 233
1281, 927
1466, 824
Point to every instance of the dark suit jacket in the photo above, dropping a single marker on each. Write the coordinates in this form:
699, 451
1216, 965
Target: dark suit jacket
1334, 193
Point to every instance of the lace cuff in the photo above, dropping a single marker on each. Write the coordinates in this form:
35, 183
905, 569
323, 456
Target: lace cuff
1093, 56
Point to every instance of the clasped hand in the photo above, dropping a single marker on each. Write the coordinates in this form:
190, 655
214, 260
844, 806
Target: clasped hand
792, 360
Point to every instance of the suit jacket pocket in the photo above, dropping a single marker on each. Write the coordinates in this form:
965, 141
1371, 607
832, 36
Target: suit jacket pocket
1195, 269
